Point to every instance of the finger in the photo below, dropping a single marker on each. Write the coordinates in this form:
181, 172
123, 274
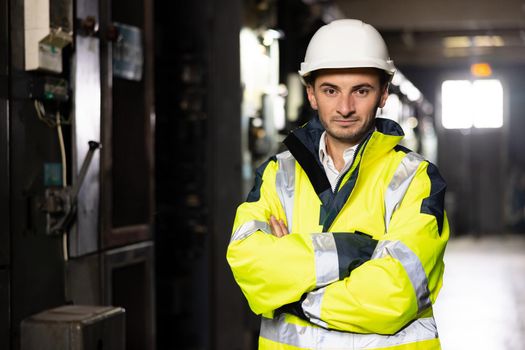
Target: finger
275, 227
283, 227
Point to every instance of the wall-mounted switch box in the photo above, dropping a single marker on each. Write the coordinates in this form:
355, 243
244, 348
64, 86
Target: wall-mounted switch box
48, 29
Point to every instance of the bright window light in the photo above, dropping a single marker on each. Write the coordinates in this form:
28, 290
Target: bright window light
488, 104
455, 95
467, 104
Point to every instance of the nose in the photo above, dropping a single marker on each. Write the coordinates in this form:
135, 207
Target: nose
346, 105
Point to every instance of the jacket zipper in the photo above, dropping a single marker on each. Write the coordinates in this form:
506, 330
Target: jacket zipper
356, 154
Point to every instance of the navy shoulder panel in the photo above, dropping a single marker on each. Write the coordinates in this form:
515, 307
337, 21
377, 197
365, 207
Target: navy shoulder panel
389, 127
255, 192
399, 148
434, 204
310, 134
309, 162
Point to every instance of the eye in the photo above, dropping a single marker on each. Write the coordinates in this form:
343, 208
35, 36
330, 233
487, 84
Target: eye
329, 91
362, 92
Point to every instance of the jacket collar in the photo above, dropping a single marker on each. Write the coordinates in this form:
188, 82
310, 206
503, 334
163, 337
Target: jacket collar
303, 143
388, 133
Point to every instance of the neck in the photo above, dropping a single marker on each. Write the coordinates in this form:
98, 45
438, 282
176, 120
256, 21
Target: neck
336, 149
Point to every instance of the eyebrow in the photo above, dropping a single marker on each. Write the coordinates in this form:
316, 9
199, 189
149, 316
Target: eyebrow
364, 85
356, 87
325, 84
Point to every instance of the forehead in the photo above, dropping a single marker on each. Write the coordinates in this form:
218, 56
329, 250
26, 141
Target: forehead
347, 75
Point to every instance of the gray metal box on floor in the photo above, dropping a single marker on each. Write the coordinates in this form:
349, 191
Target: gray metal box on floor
75, 327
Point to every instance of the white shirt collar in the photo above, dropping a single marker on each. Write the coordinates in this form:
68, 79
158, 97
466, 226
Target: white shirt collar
332, 173
348, 154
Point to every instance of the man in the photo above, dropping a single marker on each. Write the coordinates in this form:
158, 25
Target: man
340, 243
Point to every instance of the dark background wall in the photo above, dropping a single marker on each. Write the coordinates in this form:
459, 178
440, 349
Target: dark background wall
4, 178
198, 98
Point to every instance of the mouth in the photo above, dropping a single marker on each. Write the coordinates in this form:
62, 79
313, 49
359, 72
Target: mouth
346, 122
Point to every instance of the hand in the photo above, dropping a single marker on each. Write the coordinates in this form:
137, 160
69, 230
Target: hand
278, 227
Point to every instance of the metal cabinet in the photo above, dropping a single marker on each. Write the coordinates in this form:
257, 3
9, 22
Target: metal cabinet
75, 327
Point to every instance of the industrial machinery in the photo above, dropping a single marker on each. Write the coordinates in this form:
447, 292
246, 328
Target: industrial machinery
76, 75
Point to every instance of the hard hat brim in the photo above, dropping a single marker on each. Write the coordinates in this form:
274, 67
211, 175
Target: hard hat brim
387, 66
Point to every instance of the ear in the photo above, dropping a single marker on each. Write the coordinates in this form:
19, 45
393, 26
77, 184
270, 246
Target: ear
384, 96
311, 96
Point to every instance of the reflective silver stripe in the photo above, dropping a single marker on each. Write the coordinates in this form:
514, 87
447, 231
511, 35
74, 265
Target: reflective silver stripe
326, 260
419, 330
412, 266
285, 184
398, 186
248, 228
312, 307
312, 337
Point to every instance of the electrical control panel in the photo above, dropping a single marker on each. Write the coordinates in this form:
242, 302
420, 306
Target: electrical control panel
48, 29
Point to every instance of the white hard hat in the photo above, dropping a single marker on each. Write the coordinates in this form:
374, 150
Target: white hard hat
346, 43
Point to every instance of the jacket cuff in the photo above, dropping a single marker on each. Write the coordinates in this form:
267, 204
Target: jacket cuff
352, 251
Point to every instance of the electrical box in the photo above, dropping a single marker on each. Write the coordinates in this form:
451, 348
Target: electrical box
48, 28
75, 327
128, 54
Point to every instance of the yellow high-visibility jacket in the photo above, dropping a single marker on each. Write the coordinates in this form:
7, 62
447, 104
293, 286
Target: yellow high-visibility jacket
361, 267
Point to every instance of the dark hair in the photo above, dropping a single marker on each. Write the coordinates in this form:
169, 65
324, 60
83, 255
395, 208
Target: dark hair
384, 78
310, 78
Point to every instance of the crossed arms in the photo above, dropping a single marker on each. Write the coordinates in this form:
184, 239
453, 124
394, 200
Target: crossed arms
360, 285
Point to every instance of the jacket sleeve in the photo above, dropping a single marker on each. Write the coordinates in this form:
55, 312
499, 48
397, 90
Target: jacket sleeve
404, 276
272, 271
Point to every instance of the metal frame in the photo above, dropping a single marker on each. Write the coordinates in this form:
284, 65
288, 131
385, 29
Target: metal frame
84, 238
115, 236
224, 149
140, 253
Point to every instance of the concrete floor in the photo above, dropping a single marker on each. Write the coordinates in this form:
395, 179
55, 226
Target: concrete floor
482, 303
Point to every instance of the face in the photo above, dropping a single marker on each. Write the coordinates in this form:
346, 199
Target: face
346, 101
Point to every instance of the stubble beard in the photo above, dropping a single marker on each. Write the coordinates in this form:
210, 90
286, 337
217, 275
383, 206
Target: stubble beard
350, 136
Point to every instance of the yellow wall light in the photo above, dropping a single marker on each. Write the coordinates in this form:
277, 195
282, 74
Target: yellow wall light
481, 70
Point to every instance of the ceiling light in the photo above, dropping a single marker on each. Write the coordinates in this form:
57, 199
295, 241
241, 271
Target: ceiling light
460, 42
488, 41
457, 42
